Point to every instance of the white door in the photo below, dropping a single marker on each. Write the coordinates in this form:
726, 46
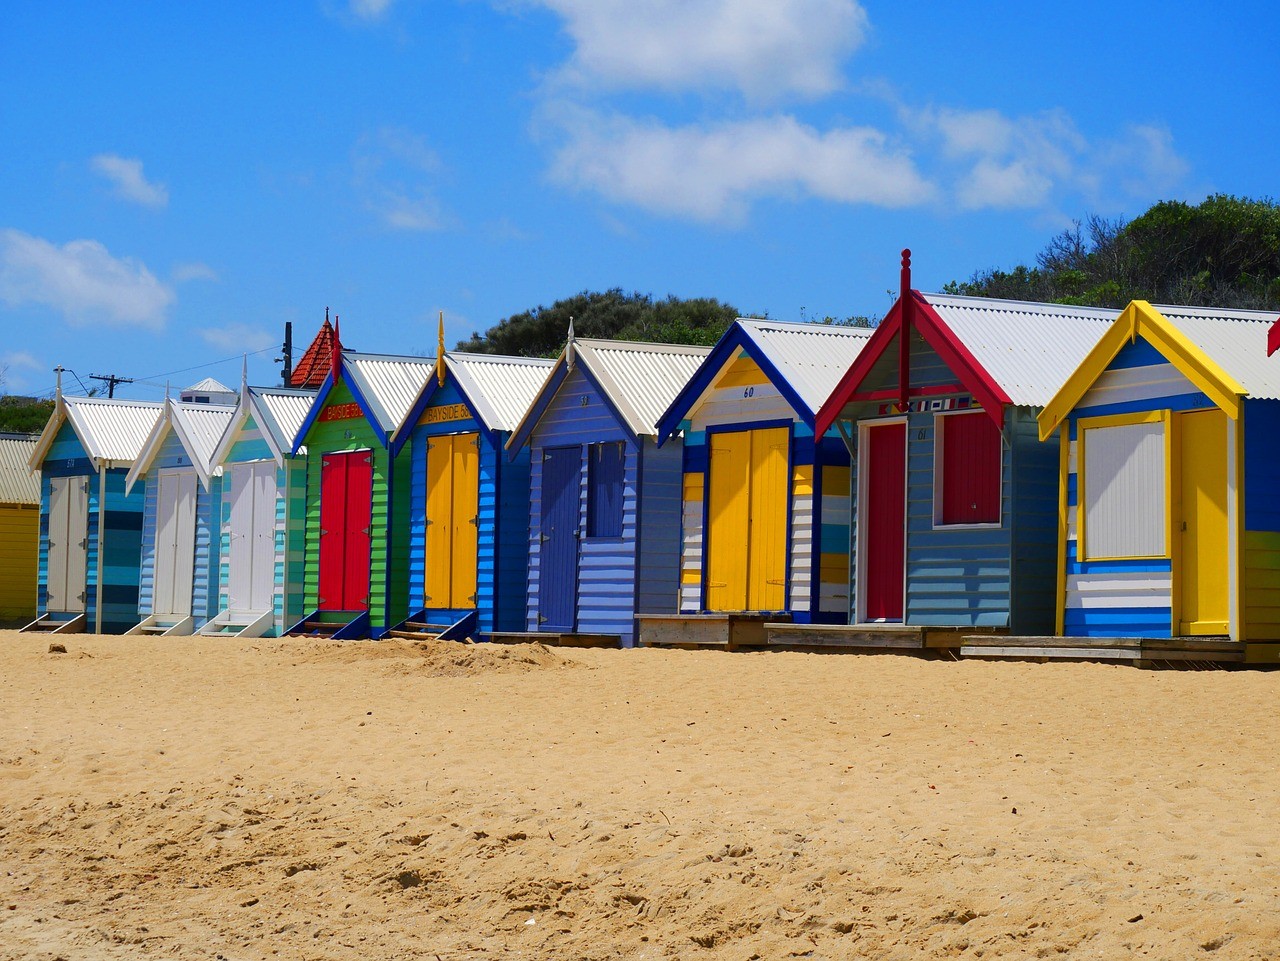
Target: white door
252, 561
175, 542
68, 544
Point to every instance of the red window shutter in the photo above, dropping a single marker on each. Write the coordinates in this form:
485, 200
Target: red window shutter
970, 469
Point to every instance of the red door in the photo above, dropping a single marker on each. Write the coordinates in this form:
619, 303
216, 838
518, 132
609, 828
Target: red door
884, 522
346, 514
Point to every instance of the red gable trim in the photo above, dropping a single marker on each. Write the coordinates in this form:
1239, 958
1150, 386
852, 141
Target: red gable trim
973, 376
1273, 338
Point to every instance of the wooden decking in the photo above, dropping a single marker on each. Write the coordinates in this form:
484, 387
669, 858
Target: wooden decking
1134, 650
729, 632
875, 638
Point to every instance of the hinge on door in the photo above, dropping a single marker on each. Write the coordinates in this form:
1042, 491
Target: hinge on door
84, 544
81, 596
323, 532
543, 538
577, 533
475, 441
541, 619
476, 520
367, 530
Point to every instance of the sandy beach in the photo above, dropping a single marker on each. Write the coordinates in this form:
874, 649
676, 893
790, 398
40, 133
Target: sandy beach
215, 799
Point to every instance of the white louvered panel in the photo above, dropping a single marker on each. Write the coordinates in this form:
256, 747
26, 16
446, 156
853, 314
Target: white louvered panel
1124, 486
1137, 589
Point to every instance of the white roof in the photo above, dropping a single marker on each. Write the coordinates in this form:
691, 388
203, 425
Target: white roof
199, 428
812, 357
1029, 349
641, 379
111, 431
18, 483
389, 383
502, 388
1236, 340
208, 386
280, 412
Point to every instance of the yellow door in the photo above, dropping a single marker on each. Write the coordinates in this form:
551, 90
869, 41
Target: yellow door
767, 546
1203, 557
728, 520
466, 514
747, 520
453, 498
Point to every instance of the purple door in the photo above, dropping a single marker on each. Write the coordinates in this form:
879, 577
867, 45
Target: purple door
558, 557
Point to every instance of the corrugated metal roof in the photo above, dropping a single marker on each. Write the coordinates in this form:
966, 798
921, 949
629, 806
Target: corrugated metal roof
389, 383
1236, 340
1029, 349
812, 357
641, 379
201, 426
18, 484
112, 430
209, 386
281, 412
502, 388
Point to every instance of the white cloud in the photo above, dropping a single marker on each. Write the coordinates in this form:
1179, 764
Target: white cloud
243, 338
370, 9
713, 172
16, 370
82, 281
395, 172
182, 273
763, 48
126, 175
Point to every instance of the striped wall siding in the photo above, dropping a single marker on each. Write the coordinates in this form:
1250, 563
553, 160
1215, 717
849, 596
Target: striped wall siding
502, 559
1001, 576
658, 558
1260, 551
607, 576
819, 523
1033, 526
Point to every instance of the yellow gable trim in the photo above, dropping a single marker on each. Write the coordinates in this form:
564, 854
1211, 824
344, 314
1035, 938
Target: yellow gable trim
742, 371
1140, 319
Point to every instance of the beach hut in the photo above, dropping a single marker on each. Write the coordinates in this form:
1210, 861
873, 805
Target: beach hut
954, 499
1169, 525
765, 499
90, 528
603, 515
468, 518
19, 529
178, 582
356, 574
262, 514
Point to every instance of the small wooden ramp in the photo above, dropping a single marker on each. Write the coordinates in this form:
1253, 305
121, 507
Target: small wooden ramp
337, 625
729, 632
56, 624
419, 627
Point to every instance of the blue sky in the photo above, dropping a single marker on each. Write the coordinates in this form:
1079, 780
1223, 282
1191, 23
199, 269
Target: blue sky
178, 180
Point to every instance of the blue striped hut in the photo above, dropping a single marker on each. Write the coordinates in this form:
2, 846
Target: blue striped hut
262, 514
604, 502
468, 517
1169, 522
178, 578
90, 527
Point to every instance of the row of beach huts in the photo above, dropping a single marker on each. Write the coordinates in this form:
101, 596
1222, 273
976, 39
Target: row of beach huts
972, 476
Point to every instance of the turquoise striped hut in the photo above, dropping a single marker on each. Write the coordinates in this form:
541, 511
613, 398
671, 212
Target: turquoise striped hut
90, 527
262, 514
178, 577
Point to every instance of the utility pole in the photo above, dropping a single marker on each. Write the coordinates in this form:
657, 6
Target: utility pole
286, 372
111, 380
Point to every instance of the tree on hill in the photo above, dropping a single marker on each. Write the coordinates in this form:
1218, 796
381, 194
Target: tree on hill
1224, 252
608, 314
24, 415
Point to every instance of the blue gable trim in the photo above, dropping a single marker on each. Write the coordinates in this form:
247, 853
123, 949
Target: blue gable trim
406, 429
735, 339
318, 405
549, 390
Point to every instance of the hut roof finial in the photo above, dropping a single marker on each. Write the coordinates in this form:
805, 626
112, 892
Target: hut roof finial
335, 355
568, 346
440, 370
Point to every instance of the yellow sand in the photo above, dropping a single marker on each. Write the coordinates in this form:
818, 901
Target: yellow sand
204, 799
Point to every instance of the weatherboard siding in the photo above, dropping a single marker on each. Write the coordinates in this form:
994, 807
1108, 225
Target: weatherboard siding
658, 552
19, 565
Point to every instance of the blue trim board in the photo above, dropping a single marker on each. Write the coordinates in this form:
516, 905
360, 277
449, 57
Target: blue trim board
735, 339
401, 435
318, 405
549, 390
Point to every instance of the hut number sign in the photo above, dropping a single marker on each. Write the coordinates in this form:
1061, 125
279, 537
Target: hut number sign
445, 412
341, 412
